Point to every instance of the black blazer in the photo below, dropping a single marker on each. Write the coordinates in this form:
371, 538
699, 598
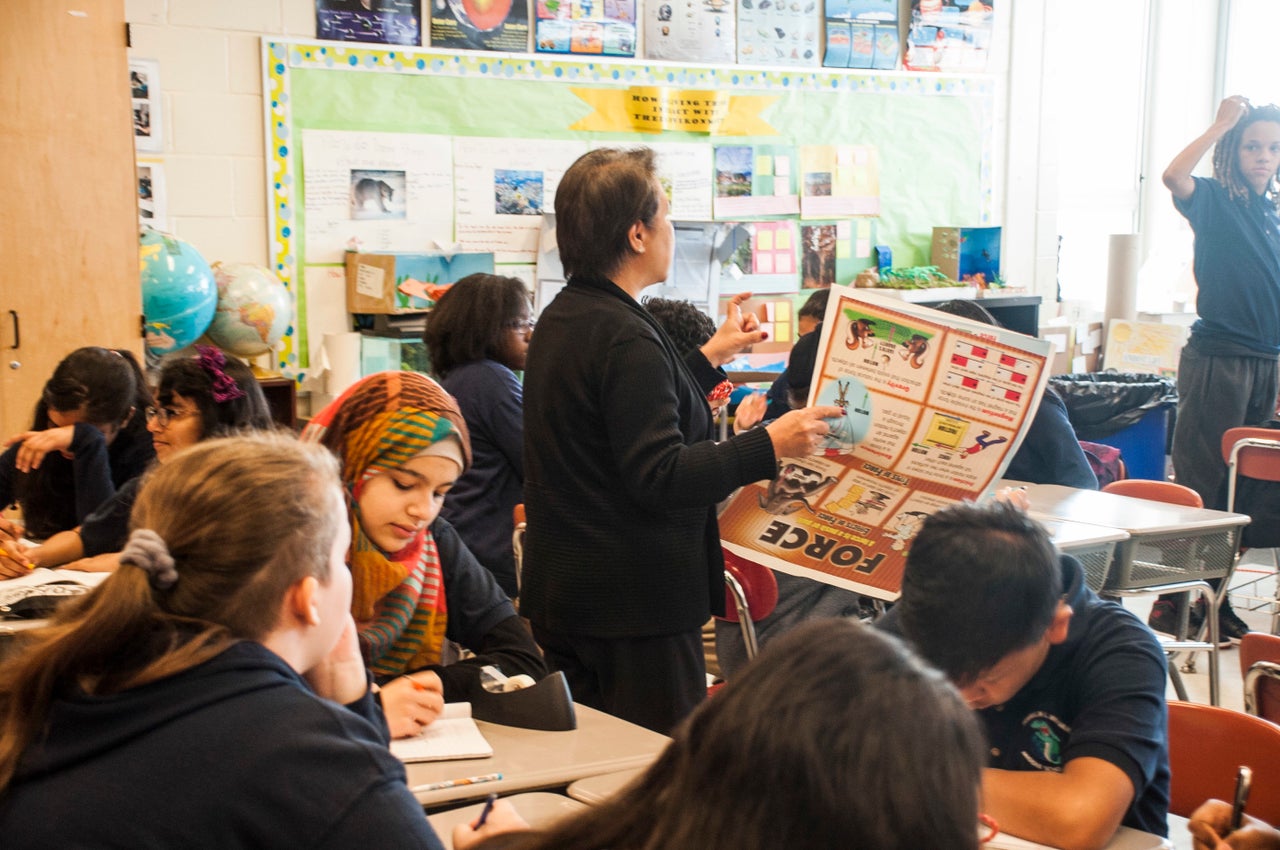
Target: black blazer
622, 473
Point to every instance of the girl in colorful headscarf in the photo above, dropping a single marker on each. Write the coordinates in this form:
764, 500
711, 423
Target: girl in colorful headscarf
417, 588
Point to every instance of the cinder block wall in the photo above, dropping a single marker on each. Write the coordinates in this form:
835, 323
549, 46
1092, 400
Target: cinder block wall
211, 81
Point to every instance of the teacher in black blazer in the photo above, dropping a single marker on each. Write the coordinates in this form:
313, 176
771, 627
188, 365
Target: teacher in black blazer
622, 560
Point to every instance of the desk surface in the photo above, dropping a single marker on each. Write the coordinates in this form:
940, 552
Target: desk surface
1070, 536
1124, 839
529, 759
1136, 516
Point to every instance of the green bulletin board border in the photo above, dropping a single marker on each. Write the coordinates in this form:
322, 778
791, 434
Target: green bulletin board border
282, 136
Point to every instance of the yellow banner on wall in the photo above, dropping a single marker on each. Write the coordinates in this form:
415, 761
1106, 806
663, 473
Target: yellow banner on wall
654, 109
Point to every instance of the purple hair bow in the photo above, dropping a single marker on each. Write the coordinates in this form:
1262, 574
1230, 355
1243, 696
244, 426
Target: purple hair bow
224, 387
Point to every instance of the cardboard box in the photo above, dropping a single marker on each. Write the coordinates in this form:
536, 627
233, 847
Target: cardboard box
964, 253
1077, 346
392, 283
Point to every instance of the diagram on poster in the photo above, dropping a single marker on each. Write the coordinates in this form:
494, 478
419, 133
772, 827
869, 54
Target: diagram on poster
502, 190
932, 410
389, 191
777, 32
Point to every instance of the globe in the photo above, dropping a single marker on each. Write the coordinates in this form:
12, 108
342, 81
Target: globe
254, 309
178, 291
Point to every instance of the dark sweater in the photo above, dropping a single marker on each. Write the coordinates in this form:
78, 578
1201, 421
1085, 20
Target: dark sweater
621, 473
480, 504
235, 752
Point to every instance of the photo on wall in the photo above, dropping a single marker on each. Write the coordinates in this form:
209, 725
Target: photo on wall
517, 192
378, 195
144, 92
151, 196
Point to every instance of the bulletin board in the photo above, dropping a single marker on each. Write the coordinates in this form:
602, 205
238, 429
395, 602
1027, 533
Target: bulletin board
932, 134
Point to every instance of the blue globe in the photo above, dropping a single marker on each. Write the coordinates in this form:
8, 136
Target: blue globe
179, 294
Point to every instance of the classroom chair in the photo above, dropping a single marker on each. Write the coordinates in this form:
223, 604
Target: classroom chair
751, 593
517, 542
1260, 671
1176, 494
1207, 744
1253, 453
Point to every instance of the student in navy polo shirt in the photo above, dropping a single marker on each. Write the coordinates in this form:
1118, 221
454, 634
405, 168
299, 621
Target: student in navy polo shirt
1227, 372
1069, 687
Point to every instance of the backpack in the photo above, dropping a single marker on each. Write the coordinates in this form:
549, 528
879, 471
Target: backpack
1105, 461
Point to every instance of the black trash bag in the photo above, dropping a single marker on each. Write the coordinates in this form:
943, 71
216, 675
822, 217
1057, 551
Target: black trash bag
1101, 403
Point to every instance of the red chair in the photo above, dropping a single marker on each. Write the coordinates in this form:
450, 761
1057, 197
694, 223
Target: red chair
1156, 491
750, 594
1252, 453
1207, 744
1176, 494
1260, 670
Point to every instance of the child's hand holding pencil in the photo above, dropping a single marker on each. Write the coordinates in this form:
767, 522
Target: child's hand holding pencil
13, 559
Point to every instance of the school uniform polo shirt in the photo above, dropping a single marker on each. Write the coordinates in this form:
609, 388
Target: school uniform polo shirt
1237, 268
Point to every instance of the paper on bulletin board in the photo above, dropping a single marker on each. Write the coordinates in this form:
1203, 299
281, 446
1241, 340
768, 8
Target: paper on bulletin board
839, 180
833, 252
781, 32
503, 189
755, 180
325, 296
1150, 347
690, 30
760, 256
390, 191
934, 409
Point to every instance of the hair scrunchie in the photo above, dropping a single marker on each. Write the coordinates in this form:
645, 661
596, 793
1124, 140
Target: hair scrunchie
147, 551
212, 360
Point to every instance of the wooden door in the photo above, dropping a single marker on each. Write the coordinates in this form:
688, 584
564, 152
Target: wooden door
68, 208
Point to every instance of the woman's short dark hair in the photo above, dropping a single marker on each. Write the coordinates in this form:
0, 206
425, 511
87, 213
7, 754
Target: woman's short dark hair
832, 738
599, 198
471, 320
188, 377
981, 581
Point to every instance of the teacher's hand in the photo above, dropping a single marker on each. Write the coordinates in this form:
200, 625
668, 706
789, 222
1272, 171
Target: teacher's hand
738, 332
800, 432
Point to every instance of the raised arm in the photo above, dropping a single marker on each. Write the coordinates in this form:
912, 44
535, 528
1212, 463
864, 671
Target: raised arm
1177, 176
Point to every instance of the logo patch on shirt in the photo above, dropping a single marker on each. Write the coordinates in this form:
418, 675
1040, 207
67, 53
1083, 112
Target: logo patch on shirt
1046, 735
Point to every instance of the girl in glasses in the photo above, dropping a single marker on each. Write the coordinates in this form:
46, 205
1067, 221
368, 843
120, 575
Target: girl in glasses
209, 395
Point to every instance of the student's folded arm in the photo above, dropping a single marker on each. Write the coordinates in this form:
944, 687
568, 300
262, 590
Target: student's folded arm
480, 618
1077, 809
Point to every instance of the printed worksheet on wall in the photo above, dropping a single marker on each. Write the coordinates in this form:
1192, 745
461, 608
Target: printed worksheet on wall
933, 408
503, 186
388, 191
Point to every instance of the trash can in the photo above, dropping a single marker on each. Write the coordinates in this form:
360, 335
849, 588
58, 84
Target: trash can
1127, 410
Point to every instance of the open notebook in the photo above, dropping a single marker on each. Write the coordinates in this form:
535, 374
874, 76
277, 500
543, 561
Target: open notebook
39, 591
454, 735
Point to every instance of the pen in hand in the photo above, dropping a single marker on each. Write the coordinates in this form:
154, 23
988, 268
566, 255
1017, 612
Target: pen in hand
484, 813
1244, 779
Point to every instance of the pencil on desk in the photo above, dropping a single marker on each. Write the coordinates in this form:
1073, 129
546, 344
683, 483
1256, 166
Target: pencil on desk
455, 783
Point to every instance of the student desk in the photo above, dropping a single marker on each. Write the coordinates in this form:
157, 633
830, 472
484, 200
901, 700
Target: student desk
529, 759
1094, 546
1168, 545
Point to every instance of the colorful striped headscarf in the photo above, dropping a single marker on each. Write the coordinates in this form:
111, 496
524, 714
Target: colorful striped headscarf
379, 424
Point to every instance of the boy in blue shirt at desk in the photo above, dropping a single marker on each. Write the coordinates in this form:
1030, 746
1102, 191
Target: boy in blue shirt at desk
1069, 687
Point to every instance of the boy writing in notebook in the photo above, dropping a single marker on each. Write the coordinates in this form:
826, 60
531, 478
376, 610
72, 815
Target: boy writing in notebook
1069, 687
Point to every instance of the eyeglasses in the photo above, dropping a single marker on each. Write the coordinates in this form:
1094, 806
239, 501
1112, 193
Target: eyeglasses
992, 828
164, 415
524, 326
